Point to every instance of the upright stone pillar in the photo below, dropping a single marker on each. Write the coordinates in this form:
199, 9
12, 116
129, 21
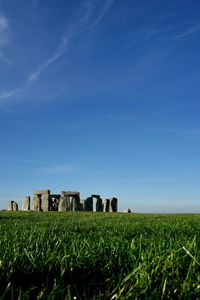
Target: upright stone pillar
15, 206
10, 205
89, 204
26, 203
113, 204
36, 203
63, 205
45, 202
41, 200
99, 205
73, 200
82, 205
54, 202
75, 203
106, 205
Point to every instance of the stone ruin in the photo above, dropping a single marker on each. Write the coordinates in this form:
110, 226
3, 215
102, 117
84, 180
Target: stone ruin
13, 206
43, 200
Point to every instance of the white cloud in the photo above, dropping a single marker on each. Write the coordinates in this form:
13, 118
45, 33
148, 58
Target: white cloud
6, 60
188, 32
4, 31
11, 93
107, 5
62, 47
60, 169
3, 23
65, 41
7, 94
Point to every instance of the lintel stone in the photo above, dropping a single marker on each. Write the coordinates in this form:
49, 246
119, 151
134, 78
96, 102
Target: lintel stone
69, 193
95, 196
57, 196
41, 192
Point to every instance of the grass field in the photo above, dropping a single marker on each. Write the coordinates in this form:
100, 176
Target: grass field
99, 256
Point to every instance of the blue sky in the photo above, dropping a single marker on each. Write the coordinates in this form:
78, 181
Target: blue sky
101, 96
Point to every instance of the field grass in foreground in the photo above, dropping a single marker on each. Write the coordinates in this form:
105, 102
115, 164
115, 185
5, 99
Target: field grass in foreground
99, 256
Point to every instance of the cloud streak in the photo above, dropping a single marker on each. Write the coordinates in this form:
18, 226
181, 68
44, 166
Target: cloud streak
9, 94
107, 5
58, 53
188, 32
65, 41
60, 169
6, 60
3, 23
84, 24
4, 31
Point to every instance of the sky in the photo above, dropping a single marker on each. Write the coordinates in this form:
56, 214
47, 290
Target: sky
101, 97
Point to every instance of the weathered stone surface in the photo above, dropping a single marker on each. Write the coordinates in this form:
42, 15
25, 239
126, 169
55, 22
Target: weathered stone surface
127, 210
56, 196
99, 204
63, 205
45, 202
75, 203
10, 205
26, 203
95, 196
54, 204
113, 204
70, 193
15, 206
82, 204
89, 204
41, 192
106, 205
36, 203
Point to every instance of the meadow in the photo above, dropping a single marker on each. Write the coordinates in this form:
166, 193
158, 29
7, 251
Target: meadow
84, 255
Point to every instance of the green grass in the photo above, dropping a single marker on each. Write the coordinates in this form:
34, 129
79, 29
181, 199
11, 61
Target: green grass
99, 256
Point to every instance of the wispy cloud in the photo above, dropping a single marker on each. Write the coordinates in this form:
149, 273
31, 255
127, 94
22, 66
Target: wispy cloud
4, 30
188, 32
19, 159
75, 29
192, 133
86, 22
6, 60
3, 23
149, 180
11, 93
60, 169
58, 53
107, 5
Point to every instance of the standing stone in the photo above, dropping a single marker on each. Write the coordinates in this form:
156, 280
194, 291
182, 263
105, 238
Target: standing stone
41, 192
15, 206
106, 205
36, 203
45, 202
127, 210
82, 204
54, 203
73, 200
10, 205
75, 203
26, 203
68, 203
99, 204
63, 205
113, 204
89, 204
